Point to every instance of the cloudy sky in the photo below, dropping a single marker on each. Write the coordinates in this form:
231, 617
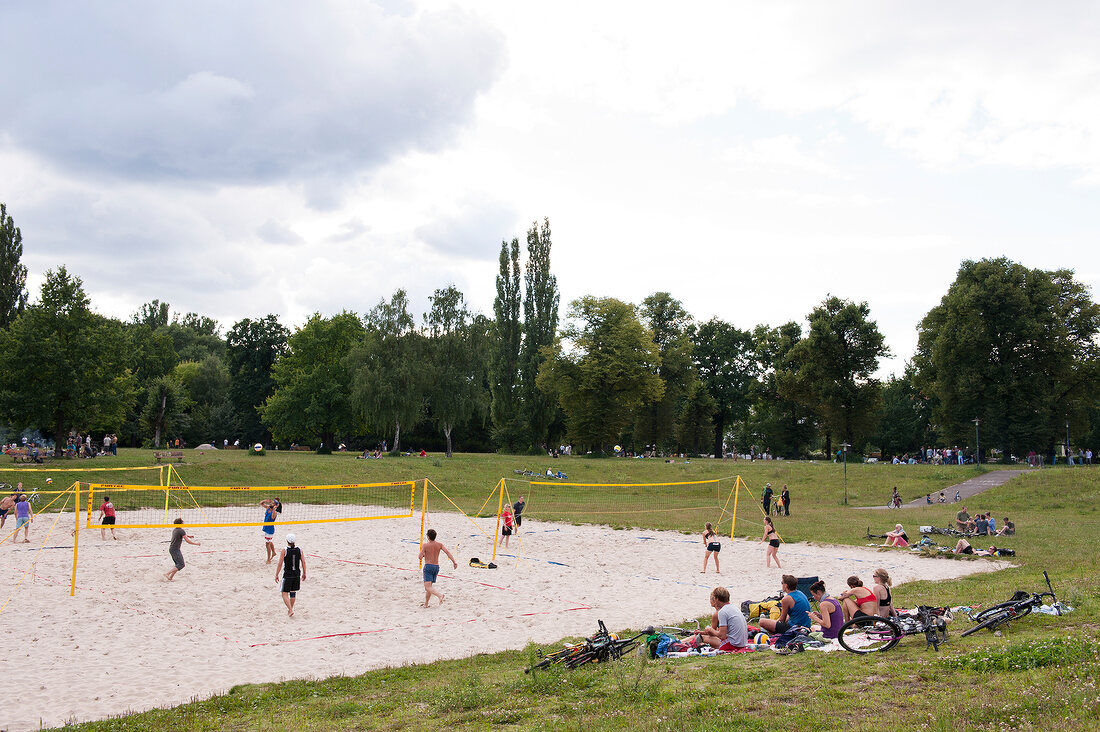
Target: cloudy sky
239, 159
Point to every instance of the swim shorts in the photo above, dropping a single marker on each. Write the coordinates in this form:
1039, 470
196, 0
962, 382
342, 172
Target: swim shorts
291, 584
714, 546
431, 571
177, 557
773, 542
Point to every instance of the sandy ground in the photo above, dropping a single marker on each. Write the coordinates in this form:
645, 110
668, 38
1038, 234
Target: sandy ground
129, 640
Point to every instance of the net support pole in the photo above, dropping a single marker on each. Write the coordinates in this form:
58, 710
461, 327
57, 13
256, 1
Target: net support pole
423, 518
76, 535
500, 507
736, 495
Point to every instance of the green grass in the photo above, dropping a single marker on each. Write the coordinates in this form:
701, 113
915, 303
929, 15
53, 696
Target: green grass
1041, 673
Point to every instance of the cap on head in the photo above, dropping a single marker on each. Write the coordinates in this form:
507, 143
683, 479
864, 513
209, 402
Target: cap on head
290, 538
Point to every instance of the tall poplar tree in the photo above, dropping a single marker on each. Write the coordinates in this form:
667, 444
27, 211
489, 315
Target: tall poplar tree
540, 324
13, 275
509, 428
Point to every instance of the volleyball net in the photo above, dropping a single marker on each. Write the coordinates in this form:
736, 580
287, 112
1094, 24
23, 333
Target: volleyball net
673, 506
154, 507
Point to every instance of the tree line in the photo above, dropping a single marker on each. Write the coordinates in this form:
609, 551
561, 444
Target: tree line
1009, 350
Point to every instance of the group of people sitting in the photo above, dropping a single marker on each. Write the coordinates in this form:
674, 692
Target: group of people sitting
729, 629
983, 524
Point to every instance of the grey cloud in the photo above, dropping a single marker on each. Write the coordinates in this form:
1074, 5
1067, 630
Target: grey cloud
474, 232
274, 232
248, 92
349, 231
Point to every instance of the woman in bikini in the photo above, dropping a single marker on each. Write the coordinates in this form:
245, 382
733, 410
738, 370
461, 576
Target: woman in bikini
882, 593
857, 600
772, 538
713, 545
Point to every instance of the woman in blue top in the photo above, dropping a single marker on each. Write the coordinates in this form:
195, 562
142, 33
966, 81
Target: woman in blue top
794, 608
272, 509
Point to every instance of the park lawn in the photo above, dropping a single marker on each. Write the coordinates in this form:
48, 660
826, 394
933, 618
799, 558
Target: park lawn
1042, 673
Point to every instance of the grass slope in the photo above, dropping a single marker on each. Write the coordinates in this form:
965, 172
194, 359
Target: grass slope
1041, 673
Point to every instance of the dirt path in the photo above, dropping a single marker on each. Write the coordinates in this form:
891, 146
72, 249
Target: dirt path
966, 489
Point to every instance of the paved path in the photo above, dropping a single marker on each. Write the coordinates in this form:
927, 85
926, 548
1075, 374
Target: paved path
966, 489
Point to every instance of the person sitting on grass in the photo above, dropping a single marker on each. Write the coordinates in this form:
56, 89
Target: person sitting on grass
963, 547
1007, 528
794, 608
728, 630
897, 537
828, 615
857, 600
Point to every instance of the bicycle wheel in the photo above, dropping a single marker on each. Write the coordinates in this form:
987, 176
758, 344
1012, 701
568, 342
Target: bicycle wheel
869, 634
622, 647
991, 622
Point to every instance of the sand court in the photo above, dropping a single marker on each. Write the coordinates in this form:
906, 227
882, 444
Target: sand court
129, 640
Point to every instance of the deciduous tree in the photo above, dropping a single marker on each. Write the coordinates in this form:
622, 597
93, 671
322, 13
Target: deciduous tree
13, 275
509, 424
1014, 347
602, 370
540, 325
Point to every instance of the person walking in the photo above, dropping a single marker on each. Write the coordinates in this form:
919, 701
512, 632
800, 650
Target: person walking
766, 498
430, 554
292, 564
179, 535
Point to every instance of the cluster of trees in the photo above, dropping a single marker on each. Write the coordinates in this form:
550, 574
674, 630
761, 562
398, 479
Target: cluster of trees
1011, 347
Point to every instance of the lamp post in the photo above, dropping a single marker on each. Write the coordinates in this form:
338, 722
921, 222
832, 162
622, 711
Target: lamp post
977, 443
844, 446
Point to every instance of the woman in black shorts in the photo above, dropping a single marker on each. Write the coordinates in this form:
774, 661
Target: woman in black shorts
713, 545
770, 536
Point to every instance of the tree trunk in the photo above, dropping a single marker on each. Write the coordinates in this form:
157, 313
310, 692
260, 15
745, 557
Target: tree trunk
447, 433
160, 420
397, 437
719, 440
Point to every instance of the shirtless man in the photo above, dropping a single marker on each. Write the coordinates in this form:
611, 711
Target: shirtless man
6, 505
430, 554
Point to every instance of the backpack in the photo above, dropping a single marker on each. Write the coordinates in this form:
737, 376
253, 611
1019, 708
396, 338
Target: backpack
766, 608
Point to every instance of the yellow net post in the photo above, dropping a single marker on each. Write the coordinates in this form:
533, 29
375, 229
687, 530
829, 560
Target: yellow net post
736, 495
500, 507
76, 534
423, 517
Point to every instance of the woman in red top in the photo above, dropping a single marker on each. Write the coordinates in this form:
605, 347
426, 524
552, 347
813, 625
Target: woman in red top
857, 600
107, 516
506, 530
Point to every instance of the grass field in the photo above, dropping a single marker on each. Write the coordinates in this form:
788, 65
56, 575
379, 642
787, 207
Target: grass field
1041, 673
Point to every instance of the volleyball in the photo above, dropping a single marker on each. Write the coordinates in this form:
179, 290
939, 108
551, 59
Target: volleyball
618, 448
761, 639
49, 480
258, 447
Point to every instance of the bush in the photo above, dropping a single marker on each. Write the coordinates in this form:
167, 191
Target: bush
324, 450
253, 451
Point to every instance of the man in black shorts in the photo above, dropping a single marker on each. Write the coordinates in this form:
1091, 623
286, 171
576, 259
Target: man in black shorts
517, 512
293, 566
174, 549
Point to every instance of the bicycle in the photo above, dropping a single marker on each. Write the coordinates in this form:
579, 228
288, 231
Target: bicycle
1021, 604
598, 648
874, 634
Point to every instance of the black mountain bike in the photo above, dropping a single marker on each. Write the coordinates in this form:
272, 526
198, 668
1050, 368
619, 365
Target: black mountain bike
601, 647
1021, 604
871, 634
